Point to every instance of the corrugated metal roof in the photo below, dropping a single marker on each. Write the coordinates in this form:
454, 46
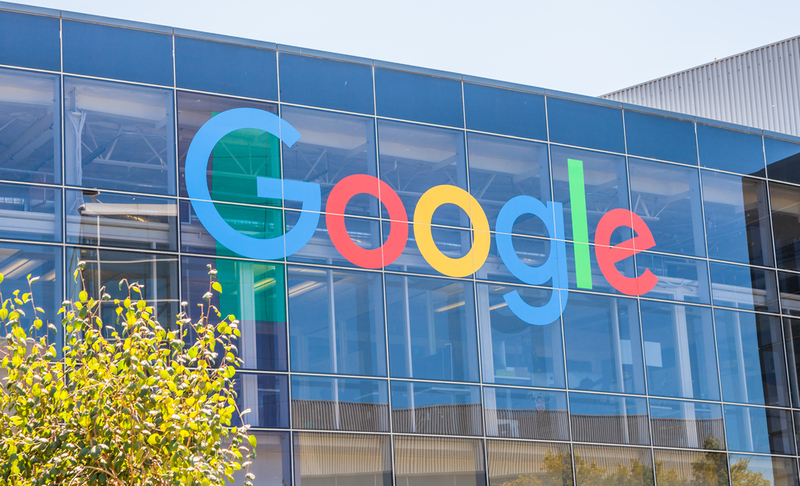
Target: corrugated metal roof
758, 88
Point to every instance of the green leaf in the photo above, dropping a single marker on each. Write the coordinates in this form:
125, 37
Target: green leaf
83, 296
2, 277
253, 440
216, 286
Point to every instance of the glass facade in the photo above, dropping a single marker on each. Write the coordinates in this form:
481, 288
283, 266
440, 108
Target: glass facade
496, 286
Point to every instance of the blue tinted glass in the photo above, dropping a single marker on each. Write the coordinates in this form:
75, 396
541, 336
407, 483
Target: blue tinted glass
513, 351
525, 413
225, 68
497, 110
336, 321
791, 335
31, 41
765, 430
267, 397
17, 261
417, 97
789, 285
117, 53
513, 462
502, 168
632, 465
340, 404
609, 418
730, 150
681, 279
430, 408
660, 137
331, 459
767, 470
600, 283
273, 464
325, 83
532, 251
30, 212
783, 159
320, 249
30, 114
431, 326
737, 218
451, 242
667, 197
695, 425
743, 287
586, 125
785, 224
679, 351
752, 364
603, 343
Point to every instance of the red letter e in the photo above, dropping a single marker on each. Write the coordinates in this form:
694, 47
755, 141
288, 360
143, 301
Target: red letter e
608, 255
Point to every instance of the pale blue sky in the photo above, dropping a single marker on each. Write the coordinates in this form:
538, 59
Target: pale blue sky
582, 46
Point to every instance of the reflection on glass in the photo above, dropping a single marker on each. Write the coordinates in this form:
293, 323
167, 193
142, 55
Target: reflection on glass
730, 150
737, 218
695, 425
691, 468
782, 159
789, 285
667, 197
625, 267
267, 398
436, 408
785, 203
503, 168
414, 158
363, 232
751, 358
613, 465
17, 261
342, 459
340, 404
680, 279
30, 114
743, 287
513, 351
609, 418
434, 461
272, 465
765, 430
532, 251
431, 326
679, 351
336, 322
603, 343
747, 470
254, 293
528, 463
119, 137
30, 212
791, 334
451, 242
525, 413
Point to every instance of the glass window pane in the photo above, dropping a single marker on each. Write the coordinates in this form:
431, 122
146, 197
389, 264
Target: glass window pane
765, 430
120, 220
410, 96
737, 218
225, 68
451, 242
625, 267
238, 158
119, 137
431, 326
751, 358
532, 251
439, 461
789, 285
679, 351
786, 224
603, 343
267, 397
332, 146
523, 463
502, 168
667, 197
272, 465
254, 293
680, 279
791, 334
118, 53
525, 413
340, 404
764, 470
17, 261
30, 212
730, 150
743, 287
336, 322
659, 137
342, 459
32, 41
325, 83
513, 351
505, 111
586, 125
366, 233
695, 425
30, 112
631, 466
414, 158
436, 408
689, 467
609, 418
782, 159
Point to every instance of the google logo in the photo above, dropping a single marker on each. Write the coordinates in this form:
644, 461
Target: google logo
553, 270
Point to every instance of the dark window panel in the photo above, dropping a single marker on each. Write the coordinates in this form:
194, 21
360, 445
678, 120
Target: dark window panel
789, 287
30, 212
340, 404
730, 150
272, 465
424, 461
117, 53
659, 137
764, 430
418, 97
786, 224
526, 413
783, 160
791, 336
31, 41
691, 467
505, 111
325, 83
322, 459
741, 287
695, 425
267, 397
523, 463
631, 466
585, 125
225, 68
609, 418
